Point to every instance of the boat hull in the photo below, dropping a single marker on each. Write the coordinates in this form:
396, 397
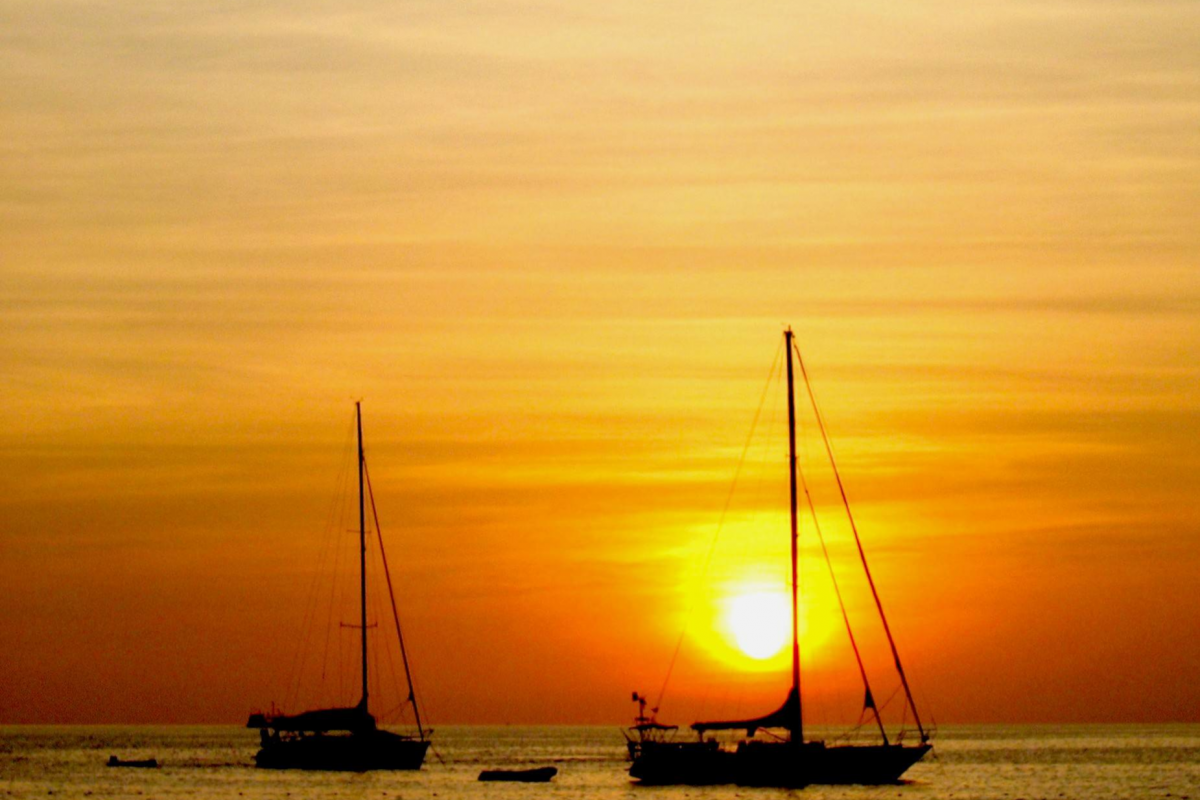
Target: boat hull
536, 775
863, 764
148, 763
780, 764
354, 752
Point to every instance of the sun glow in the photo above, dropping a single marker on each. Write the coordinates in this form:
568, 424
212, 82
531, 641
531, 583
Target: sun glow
760, 623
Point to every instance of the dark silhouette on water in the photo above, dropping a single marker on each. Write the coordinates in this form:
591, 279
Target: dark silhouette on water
535, 775
788, 761
345, 738
145, 763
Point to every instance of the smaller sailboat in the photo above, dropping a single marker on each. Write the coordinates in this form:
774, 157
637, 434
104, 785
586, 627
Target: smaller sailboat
344, 738
786, 759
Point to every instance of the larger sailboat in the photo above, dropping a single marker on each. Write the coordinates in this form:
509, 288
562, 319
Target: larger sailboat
345, 738
787, 759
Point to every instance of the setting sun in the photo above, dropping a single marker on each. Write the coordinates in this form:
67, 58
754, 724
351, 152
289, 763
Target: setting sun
760, 623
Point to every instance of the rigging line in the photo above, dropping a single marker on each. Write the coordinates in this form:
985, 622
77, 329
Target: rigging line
339, 521
862, 671
333, 597
903, 712
736, 694
373, 613
387, 655
313, 596
720, 523
858, 543
412, 697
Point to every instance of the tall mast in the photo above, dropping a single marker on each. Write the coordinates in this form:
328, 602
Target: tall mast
362, 552
797, 725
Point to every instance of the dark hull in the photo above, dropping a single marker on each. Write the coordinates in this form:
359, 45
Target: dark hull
772, 764
864, 764
356, 752
538, 775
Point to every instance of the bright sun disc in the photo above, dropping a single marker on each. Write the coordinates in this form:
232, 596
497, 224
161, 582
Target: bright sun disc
761, 623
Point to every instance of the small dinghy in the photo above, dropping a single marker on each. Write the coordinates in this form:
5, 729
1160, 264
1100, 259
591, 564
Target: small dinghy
146, 763
538, 775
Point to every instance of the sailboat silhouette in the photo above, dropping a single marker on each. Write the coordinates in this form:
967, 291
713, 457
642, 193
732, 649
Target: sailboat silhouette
789, 760
344, 738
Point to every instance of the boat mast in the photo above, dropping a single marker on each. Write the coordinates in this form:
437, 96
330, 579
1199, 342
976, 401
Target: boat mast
362, 552
797, 725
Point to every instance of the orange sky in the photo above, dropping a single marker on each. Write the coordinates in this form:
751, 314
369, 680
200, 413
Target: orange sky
552, 246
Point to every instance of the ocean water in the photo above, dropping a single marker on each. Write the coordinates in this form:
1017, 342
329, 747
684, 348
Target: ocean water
969, 763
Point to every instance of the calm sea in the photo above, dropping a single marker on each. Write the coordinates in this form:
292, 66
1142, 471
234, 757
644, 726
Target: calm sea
1014, 763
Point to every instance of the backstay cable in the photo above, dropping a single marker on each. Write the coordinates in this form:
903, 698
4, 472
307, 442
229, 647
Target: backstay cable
721, 522
858, 542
